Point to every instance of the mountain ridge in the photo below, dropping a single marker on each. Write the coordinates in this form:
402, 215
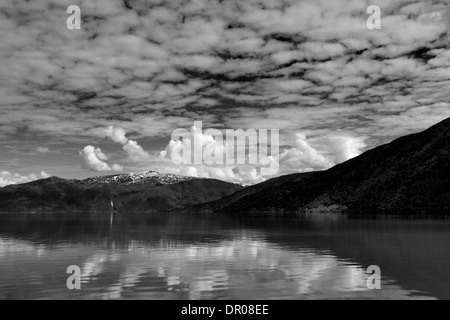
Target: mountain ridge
409, 175
149, 191
139, 177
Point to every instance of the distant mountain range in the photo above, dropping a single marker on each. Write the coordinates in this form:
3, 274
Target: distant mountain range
408, 176
147, 178
140, 192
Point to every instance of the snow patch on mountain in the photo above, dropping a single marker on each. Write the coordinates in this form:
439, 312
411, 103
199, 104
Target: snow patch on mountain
152, 177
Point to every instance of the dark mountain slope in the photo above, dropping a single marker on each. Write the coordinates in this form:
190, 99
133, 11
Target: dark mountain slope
409, 175
145, 192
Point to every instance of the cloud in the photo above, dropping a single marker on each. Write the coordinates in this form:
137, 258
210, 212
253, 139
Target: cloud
146, 68
94, 160
303, 156
190, 140
135, 151
7, 178
343, 148
42, 150
326, 152
117, 134
47, 151
236, 174
244, 175
213, 153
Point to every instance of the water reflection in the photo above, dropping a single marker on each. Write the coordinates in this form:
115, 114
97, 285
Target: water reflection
220, 257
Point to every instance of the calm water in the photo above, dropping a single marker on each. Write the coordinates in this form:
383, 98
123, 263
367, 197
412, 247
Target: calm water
222, 257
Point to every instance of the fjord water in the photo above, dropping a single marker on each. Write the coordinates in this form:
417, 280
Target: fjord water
222, 257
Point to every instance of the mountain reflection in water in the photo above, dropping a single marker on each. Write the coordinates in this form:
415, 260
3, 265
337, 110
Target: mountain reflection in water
222, 257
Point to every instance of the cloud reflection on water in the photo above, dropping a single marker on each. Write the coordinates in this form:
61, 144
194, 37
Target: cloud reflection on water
184, 259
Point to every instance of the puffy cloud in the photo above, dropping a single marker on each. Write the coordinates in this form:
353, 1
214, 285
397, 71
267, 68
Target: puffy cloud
238, 174
213, 153
303, 156
94, 160
325, 153
119, 135
116, 134
197, 143
344, 148
7, 178
135, 151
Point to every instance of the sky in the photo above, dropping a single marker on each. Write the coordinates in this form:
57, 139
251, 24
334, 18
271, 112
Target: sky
106, 99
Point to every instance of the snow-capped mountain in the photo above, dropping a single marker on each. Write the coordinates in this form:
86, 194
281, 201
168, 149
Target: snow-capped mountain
130, 193
148, 177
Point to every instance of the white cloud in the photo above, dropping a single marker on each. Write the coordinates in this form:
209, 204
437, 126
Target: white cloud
344, 148
94, 159
116, 134
197, 137
119, 135
135, 151
237, 174
302, 156
43, 150
210, 148
324, 153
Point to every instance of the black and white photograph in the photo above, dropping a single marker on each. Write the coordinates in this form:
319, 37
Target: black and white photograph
224, 155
